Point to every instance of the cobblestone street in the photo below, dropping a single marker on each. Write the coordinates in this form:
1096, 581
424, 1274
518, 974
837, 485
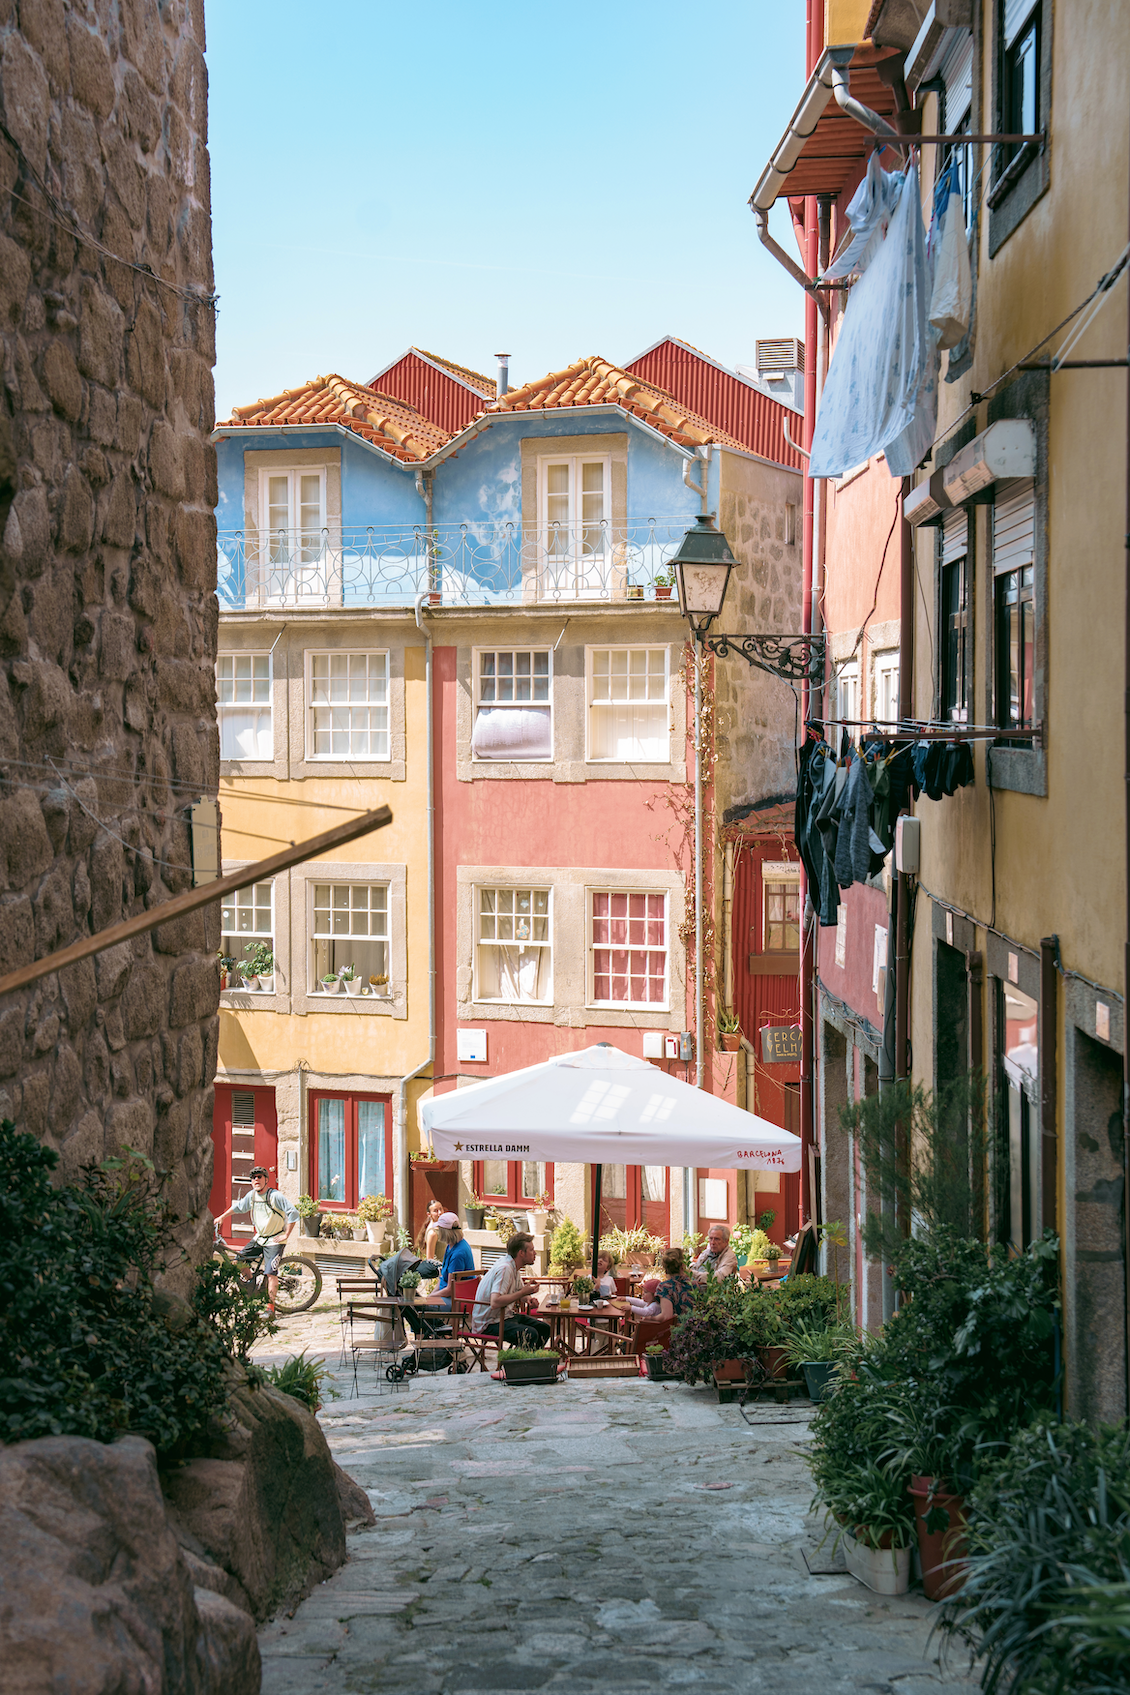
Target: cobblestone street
607, 1537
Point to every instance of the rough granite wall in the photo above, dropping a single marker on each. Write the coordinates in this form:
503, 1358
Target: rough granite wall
108, 613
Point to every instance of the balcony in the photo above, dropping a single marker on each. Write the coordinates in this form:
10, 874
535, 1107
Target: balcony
499, 564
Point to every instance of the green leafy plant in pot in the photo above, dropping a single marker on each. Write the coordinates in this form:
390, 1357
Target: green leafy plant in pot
568, 1248
583, 1290
530, 1365
814, 1349
308, 1211
374, 1213
474, 1211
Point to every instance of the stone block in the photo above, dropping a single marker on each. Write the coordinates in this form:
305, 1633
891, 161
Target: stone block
76, 513
25, 847
17, 933
145, 357
77, 984
26, 99
131, 1125
62, 381
33, 520
180, 935
195, 992
54, 914
66, 1088
117, 658
97, 1593
107, 864
137, 113
101, 329
143, 1002
11, 1043
119, 517
15, 279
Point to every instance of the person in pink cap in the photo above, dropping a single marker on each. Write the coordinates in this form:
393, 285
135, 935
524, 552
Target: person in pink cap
458, 1260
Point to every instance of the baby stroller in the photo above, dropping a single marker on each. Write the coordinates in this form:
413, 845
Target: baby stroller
414, 1324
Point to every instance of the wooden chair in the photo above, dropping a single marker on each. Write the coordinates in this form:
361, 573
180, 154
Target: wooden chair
649, 1330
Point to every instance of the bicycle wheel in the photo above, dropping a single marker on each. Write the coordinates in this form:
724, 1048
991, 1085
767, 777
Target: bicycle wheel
300, 1284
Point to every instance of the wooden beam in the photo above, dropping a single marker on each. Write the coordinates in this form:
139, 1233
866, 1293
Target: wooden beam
193, 899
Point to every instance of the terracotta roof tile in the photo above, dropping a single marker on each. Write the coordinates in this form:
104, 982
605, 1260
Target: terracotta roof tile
594, 382
485, 385
392, 425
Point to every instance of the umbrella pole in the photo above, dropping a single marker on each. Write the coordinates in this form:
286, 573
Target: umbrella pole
598, 1173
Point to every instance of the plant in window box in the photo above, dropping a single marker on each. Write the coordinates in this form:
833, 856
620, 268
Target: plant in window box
374, 1213
530, 1365
307, 1209
225, 963
331, 983
729, 1032
379, 985
664, 583
351, 979
258, 967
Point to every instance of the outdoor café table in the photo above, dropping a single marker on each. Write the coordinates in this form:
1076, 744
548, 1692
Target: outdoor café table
569, 1335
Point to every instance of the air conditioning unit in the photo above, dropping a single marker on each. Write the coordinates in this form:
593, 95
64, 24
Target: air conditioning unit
926, 503
1006, 449
784, 354
907, 844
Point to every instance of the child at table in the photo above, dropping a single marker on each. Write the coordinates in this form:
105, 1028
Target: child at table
649, 1306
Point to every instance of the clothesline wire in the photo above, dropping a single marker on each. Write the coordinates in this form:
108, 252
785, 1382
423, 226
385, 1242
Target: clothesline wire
198, 791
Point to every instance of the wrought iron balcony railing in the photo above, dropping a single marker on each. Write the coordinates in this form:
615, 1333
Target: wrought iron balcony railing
507, 563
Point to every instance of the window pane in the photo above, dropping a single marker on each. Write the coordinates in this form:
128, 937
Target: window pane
349, 705
494, 1177
629, 948
370, 1148
331, 1150
513, 960
533, 1179
628, 716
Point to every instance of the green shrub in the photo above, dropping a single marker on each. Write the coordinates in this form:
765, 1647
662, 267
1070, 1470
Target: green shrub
859, 1476
1046, 1602
568, 1248
513, 1354
304, 1378
89, 1346
230, 1307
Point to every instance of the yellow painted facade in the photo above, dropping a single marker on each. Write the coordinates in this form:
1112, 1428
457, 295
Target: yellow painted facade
1035, 850
298, 1040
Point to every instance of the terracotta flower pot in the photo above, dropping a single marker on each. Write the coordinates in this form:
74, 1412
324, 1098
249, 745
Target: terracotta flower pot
662, 591
773, 1359
942, 1551
731, 1041
730, 1371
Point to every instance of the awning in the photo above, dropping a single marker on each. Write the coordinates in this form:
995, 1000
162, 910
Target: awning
822, 150
600, 1106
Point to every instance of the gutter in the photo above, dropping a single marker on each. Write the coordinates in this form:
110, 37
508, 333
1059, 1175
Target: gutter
400, 1125
829, 80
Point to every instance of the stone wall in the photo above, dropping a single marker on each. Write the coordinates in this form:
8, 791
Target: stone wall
108, 614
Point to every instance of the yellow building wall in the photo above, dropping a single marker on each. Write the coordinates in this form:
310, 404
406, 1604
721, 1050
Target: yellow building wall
844, 21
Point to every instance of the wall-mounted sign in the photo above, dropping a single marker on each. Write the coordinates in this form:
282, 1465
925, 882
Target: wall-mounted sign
471, 1046
780, 1044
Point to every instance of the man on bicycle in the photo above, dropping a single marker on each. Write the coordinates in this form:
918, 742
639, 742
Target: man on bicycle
270, 1213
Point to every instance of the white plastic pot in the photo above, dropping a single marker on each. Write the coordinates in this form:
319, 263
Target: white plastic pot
375, 1232
333, 988
251, 982
352, 985
885, 1570
267, 984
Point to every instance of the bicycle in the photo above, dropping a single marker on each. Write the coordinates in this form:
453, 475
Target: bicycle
300, 1281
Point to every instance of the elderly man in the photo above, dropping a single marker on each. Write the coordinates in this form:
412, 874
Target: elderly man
717, 1256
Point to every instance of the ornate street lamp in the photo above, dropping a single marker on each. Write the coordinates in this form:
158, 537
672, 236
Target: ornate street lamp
702, 571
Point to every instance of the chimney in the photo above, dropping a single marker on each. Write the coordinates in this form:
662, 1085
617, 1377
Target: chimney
503, 373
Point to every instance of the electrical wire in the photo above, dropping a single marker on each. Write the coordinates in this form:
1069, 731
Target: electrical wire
134, 779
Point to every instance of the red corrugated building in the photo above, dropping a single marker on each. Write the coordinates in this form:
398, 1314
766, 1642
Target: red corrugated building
729, 401
447, 394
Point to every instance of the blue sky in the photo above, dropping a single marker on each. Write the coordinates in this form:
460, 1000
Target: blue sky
552, 180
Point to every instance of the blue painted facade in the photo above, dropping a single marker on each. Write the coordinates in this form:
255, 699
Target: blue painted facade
476, 513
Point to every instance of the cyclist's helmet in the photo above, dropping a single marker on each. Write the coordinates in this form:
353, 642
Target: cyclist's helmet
258, 1171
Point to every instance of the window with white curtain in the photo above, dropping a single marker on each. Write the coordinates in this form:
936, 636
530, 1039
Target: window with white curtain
243, 694
628, 947
246, 917
348, 710
514, 949
628, 711
292, 505
350, 1147
885, 683
513, 704
574, 512
847, 694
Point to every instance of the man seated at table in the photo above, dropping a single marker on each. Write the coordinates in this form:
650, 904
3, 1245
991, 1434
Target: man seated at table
717, 1256
504, 1288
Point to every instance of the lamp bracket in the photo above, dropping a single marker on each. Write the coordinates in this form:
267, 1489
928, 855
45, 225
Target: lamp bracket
795, 658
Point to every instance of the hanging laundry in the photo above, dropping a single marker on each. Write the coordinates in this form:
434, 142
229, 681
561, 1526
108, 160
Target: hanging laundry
951, 298
881, 390
815, 779
868, 213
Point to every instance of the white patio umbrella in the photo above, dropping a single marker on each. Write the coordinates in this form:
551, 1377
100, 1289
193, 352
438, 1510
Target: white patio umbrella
601, 1106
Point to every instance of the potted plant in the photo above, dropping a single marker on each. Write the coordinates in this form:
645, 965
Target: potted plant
653, 1362
225, 963
539, 1213
331, 984
748, 1243
530, 1365
766, 1220
351, 979
584, 1289
635, 591
307, 1209
664, 583
729, 1032
409, 1283
379, 984
761, 1330
773, 1256
568, 1248
339, 1225
374, 1213
474, 1210
258, 967
813, 1349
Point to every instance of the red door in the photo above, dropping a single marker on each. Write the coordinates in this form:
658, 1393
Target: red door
716, 1199
245, 1132
634, 1195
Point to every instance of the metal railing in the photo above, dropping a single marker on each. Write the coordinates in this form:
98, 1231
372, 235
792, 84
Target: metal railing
487, 564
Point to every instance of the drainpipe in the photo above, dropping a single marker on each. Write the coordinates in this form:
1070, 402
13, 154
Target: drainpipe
702, 489
1126, 957
699, 1051
400, 1128
727, 915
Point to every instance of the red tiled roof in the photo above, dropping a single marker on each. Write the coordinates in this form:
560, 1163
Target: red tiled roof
485, 385
594, 382
390, 424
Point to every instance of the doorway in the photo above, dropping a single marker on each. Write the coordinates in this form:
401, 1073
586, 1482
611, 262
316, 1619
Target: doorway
245, 1132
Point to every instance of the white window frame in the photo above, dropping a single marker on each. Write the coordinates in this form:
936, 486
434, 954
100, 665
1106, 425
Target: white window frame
292, 473
477, 892
349, 758
313, 982
774, 874
590, 951
884, 664
848, 694
636, 647
224, 709
574, 574
477, 654
233, 902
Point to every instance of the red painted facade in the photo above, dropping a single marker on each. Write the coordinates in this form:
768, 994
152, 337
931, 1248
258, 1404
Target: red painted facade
439, 397
729, 403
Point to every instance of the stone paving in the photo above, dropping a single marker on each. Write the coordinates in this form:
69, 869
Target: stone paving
592, 1538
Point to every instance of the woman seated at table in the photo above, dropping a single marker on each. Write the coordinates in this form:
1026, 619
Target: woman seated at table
458, 1260
676, 1293
427, 1242
605, 1275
